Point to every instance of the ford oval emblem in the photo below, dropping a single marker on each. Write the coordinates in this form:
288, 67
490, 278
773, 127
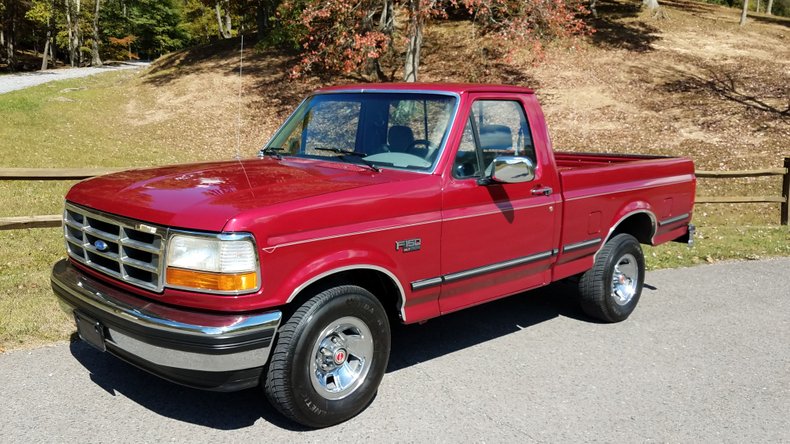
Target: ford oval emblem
100, 245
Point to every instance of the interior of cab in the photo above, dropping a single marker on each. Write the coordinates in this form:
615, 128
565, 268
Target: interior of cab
400, 130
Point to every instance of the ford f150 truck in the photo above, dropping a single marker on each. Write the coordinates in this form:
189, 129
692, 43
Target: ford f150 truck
372, 204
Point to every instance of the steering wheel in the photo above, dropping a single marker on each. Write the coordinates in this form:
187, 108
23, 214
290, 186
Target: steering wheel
411, 148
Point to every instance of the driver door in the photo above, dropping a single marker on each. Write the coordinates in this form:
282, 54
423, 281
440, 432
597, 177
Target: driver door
497, 238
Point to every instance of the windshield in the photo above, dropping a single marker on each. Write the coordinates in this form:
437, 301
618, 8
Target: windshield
388, 130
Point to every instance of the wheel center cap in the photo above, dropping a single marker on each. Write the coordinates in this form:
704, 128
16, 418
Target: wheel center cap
340, 356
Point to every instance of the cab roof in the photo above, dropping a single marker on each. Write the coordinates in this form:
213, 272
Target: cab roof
457, 88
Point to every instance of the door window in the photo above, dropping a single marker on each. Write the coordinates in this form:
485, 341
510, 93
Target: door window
495, 128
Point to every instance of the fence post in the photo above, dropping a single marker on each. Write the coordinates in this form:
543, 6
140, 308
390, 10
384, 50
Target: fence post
786, 192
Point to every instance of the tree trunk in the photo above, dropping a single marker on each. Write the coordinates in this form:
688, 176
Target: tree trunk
592, 8
387, 19
45, 56
70, 30
9, 31
95, 58
758, 7
224, 28
219, 20
77, 33
651, 4
228, 32
768, 8
412, 67
262, 14
743, 12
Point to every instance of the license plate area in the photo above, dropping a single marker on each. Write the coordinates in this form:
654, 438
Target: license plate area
90, 331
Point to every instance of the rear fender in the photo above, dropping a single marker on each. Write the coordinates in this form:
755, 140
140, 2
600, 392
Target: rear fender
628, 211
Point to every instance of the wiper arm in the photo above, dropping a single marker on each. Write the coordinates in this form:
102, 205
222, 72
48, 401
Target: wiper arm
271, 151
357, 154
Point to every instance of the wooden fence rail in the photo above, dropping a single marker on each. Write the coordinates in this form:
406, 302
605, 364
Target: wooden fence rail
53, 220
783, 199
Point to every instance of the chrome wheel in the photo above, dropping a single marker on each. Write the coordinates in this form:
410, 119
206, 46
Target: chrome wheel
625, 279
341, 358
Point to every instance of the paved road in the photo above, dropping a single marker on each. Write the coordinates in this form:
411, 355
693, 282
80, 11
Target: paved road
705, 358
13, 82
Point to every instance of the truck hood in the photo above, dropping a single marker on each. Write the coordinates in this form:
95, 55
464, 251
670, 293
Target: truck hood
205, 196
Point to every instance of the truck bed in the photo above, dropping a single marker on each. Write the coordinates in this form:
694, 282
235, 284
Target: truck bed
569, 161
600, 190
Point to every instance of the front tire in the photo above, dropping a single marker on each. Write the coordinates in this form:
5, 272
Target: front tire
330, 357
610, 290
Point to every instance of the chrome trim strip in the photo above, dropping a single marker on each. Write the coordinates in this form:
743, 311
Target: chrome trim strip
626, 216
580, 245
497, 267
673, 220
472, 272
426, 283
189, 360
355, 267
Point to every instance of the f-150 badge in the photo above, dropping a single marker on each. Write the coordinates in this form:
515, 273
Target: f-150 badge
408, 245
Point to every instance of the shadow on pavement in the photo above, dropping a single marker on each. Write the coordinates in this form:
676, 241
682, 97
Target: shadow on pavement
223, 411
412, 344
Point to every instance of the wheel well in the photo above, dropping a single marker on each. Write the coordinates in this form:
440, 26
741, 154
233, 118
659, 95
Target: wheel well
380, 284
639, 225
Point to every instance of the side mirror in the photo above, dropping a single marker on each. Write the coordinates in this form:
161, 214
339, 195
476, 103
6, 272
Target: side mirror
511, 169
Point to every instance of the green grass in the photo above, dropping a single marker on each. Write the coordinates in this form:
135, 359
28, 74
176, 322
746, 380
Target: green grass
73, 123
88, 123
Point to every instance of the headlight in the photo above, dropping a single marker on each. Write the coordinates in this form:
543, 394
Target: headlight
225, 263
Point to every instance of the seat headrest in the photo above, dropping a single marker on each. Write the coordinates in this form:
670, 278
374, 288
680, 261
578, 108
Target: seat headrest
400, 138
496, 137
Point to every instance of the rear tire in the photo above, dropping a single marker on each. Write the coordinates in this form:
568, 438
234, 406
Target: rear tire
330, 357
610, 290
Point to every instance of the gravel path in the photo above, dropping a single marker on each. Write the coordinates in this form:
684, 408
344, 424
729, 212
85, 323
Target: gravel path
704, 358
13, 82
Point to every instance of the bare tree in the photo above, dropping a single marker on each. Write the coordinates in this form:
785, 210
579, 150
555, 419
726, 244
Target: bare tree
8, 24
72, 12
419, 11
95, 58
48, 41
651, 4
743, 13
224, 29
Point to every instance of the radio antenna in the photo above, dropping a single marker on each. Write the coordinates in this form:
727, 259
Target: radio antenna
238, 120
241, 85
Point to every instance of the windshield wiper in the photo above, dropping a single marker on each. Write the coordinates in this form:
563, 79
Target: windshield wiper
271, 151
343, 153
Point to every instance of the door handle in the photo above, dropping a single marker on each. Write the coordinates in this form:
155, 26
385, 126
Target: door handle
542, 191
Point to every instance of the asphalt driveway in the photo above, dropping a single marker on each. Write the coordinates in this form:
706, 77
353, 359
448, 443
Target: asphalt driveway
705, 358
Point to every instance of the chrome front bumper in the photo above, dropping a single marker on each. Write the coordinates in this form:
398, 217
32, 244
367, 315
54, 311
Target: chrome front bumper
211, 351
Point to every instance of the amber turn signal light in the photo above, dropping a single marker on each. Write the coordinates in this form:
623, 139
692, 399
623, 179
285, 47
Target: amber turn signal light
211, 281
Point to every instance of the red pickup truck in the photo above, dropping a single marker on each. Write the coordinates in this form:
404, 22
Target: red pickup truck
372, 204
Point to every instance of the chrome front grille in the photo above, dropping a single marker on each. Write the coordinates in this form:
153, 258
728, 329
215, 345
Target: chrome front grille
122, 248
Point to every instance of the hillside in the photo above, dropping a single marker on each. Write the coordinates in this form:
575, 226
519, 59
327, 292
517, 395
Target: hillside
693, 84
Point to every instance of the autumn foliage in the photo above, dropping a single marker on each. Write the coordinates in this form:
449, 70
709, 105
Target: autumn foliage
339, 36
346, 36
